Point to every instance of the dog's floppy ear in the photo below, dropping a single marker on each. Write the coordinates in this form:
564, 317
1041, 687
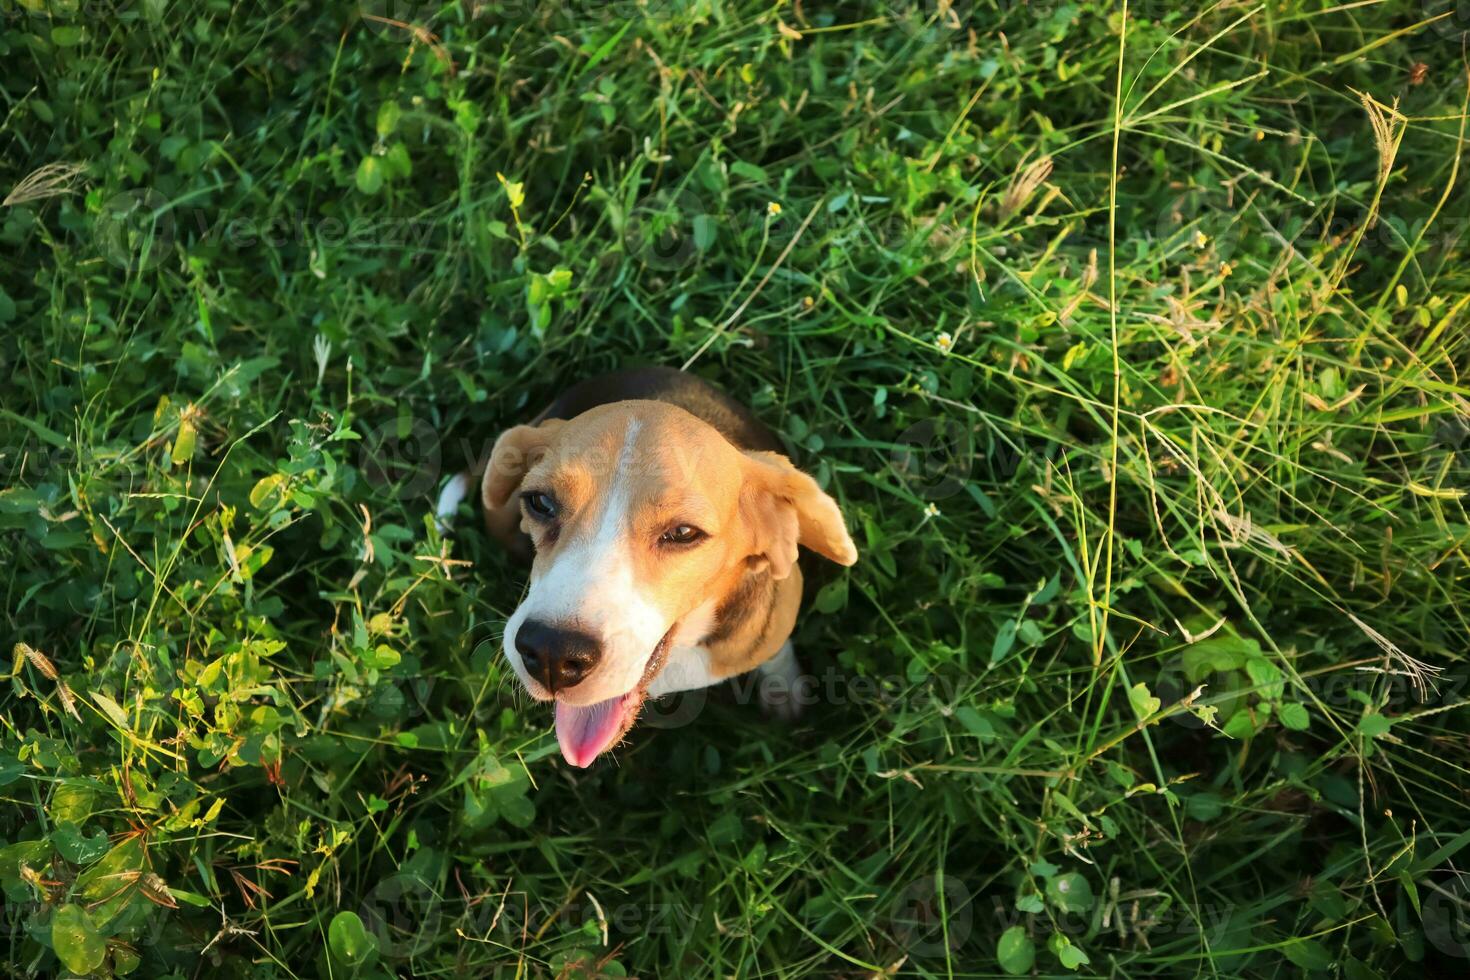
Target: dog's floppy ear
784, 508
515, 453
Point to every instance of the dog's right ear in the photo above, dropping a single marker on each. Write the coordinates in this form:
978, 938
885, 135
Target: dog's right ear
516, 452
784, 508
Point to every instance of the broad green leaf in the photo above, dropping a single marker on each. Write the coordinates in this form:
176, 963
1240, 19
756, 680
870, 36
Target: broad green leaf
370, 175
1203, 806
975, 723
832, 597
1145, 705
73, 800
76, 847
351, 944
75, 938
183, 448
705, 232
518, 811
1005, 638
1375, 725
397, 164
112, 710
125, 960
1015, 951
1267, 677
749, 171
1353, 969
1121, 775
1240, 725
1030, 903
1295, 716
383, 657
23, 854
1308, 954
1029, 633
264, 488
11, 768
1216, 654
1070, 956
1069, 892
388, 115
99, 883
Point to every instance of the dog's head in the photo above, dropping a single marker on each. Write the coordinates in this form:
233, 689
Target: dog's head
643, 518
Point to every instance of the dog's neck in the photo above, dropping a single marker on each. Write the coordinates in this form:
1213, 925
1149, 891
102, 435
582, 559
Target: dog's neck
752, 621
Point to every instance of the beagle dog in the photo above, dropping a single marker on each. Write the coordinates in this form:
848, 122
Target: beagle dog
662, 522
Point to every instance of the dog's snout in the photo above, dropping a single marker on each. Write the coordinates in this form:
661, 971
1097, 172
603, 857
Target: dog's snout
556, 656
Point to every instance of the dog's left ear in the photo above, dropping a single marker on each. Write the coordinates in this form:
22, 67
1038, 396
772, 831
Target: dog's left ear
516, 452
785, 507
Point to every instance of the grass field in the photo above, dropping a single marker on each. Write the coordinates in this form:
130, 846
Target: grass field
1132, 340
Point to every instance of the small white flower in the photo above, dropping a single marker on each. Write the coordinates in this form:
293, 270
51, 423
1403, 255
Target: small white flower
773, 209
931, 511
944, 341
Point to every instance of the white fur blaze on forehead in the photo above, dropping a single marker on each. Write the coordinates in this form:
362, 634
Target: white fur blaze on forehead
591, 583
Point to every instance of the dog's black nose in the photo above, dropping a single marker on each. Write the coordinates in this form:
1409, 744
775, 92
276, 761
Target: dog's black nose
557, 657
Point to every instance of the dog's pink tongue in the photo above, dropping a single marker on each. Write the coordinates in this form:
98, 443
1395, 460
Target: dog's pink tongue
587, 732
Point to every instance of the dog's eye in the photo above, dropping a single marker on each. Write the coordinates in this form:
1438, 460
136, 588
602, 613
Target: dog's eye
540, 504
681, 534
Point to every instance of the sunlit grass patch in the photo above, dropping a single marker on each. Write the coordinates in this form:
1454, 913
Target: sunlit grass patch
1134, 357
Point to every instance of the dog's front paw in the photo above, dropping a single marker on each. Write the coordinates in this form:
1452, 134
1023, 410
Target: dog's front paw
779, 701
780, 688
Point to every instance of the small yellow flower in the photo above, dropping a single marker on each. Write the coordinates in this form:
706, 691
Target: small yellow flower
1200, 239
1226, 269
808, 302
944, 342
773, 209
1260, 135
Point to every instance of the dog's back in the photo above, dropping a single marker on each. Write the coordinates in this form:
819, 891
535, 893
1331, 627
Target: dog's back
693, 394
662, 384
